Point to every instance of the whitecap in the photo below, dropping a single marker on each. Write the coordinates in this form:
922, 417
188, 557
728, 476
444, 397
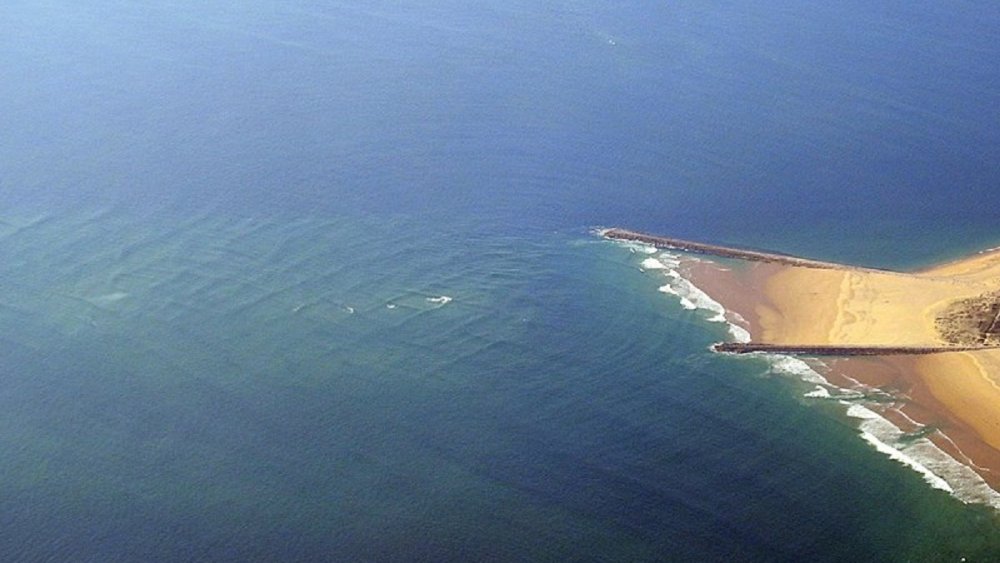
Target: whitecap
653, 264
670, 260
877, 431
636, 247
442, 300
819, 393
691, 297
668, 289
790, 365
862, 412
739, 333
897, 455
694, 298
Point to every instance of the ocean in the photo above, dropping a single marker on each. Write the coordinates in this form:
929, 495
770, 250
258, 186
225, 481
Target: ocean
317, 280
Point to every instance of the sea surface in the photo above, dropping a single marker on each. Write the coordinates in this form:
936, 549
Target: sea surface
317, 280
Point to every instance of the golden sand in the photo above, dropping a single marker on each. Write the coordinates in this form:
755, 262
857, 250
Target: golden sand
864, 308
966, 384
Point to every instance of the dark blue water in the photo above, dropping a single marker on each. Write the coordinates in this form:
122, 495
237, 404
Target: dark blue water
226, 231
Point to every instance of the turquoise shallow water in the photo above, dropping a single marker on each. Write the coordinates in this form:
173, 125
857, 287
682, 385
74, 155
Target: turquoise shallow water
225, 237
222, 387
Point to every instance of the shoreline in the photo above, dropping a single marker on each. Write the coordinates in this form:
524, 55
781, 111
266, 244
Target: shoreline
946, 428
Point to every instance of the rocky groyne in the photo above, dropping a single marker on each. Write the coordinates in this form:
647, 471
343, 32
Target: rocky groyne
726, 251
820, 350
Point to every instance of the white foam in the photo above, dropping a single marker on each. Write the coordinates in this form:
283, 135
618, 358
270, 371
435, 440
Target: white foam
442, 300
690, 296
862, 412
700, 299
790, 365
653, 264
390, 305
938, 469
637, 247
877, 431
897, 455
819, 393
671, 260
739, 333
633, 247
668, 289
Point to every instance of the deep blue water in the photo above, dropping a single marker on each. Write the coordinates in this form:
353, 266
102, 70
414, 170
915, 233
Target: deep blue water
223, 227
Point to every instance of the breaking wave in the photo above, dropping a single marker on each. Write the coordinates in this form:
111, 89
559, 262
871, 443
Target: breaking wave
690, 296
938, 469
920, 454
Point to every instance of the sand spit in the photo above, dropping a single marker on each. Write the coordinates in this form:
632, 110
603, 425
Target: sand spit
937, 328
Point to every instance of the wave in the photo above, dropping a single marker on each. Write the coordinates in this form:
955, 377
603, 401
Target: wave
796, 367
877, 430
690, 296
653, 264
819, 392
938, 469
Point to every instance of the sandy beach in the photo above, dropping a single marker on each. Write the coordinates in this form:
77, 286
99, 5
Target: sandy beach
952, 399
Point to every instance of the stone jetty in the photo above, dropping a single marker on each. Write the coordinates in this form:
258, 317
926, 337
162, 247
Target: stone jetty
727, 251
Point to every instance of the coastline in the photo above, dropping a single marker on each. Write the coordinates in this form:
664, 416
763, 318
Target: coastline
938, 413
